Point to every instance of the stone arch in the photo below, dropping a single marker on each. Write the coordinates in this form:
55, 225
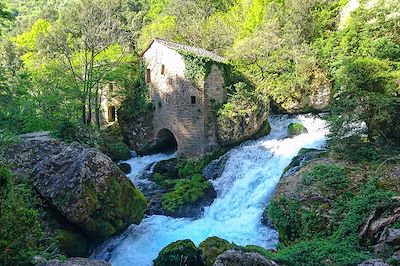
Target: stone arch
166, 141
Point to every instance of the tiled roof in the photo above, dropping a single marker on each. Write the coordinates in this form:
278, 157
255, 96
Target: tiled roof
187, 48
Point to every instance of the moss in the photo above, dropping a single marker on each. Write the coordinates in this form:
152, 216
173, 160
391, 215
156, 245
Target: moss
296, 129
185, 193
71, 243
111, 143
121, 205
265, 129
182, 252
212, 247
198, 68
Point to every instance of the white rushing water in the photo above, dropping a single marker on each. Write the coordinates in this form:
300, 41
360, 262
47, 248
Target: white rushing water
251, 174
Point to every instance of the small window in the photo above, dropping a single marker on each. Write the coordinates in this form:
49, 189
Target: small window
110, 86
162, 69
111, 113
193, 99
148, 76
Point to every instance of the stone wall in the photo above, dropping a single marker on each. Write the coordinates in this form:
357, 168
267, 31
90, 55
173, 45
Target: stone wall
171, 94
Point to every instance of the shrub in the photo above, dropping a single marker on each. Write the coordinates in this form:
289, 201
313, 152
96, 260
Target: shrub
22, 235
331, 175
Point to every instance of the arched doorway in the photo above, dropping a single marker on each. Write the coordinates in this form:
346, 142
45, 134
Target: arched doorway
166, 141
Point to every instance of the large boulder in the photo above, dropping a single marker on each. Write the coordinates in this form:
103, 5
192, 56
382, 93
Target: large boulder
235, 128
182, 252
83, 184
241, 258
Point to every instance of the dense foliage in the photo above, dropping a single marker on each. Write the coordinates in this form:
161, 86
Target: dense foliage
57, 58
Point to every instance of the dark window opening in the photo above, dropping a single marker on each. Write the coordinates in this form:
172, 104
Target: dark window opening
111, 87
193, 99
162, 69
148, 76
111, 114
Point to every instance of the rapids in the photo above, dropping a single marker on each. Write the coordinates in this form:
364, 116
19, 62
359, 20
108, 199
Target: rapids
248, 181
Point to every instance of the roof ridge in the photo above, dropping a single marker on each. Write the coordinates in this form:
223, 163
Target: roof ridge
179, 47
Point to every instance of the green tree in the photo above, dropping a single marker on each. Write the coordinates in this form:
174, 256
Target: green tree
369, 93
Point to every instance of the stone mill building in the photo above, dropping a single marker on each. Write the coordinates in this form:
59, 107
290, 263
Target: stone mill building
183, 106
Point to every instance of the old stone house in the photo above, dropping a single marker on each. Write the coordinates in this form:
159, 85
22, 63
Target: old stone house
111, 99
183, 107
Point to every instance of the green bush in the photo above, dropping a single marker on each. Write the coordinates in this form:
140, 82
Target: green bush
110, 142
22, 235
331, 175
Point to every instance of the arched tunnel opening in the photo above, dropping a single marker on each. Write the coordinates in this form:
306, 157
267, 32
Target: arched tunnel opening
166, 141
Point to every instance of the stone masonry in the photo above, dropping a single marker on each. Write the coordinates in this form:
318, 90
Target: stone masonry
181, 107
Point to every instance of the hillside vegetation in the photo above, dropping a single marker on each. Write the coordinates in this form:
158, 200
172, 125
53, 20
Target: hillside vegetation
56, 57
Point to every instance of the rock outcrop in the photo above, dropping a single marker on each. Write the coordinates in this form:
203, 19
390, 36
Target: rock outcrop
241, 258
235, 129
138, 132
81, 183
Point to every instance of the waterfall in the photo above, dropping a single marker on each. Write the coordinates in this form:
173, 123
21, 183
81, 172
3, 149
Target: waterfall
247, 183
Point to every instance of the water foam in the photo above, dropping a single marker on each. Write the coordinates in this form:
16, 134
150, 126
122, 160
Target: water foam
251, 174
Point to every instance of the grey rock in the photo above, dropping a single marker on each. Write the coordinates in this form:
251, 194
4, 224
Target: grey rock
393, 237
83, 184
75, 262
374, 262
241, 258
215, 168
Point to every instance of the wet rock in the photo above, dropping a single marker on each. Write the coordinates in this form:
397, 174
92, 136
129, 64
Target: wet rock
373, 262
241, 258
212, 247
298, 161
75, 262
295, 129
83, 184
215, 168
168, 167
182, 252
125, 167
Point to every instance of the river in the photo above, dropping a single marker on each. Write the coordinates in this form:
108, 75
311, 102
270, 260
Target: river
247, 183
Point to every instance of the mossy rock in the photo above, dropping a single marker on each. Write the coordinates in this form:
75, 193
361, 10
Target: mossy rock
122, 205
71, 243
295, 129
264, 130
167, 167
182, 252
212, 247
186, 195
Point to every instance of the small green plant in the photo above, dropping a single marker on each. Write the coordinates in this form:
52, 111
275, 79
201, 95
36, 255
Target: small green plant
331, 175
